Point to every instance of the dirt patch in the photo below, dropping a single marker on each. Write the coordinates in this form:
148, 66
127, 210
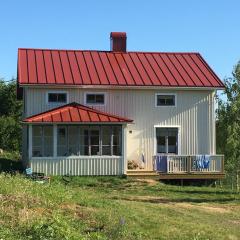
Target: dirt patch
214, 209
174, 203
77, 210
150, 182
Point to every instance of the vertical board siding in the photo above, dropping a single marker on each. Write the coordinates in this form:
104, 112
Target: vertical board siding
194, 114
88, 166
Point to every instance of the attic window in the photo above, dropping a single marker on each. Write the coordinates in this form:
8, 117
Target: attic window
57, 97
95, 98
165, 100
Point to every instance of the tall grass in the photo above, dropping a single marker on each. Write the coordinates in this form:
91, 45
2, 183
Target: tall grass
114, 208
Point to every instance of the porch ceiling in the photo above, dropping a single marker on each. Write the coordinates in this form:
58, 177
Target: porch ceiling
75, 113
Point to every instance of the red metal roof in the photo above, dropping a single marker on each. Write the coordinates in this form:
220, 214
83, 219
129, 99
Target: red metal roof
75, 113
108, 68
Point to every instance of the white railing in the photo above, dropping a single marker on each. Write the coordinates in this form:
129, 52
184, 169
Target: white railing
188, 164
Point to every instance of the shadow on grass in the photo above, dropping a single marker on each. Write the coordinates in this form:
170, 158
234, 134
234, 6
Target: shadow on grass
213, 191
8, 165
180, 200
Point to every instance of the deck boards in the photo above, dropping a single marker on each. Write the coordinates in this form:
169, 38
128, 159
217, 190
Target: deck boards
153, 174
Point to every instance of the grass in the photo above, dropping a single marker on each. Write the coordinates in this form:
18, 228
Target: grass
115, 208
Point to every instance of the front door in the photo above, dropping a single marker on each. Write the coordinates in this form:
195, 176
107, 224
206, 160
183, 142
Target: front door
167, 140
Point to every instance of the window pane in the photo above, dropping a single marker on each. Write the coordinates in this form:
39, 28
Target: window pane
117, 150
37, 141
106, 135
91, 98
37, 151
48, 141
73, 140
172, 144
95, 150
95, 98
52, 97
84, 144
161, 144
165, 100
37, 131
94, 137
62, 142
57, 97
62, 97
106, 150
100, 98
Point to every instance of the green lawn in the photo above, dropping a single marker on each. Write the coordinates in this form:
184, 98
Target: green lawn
115, 208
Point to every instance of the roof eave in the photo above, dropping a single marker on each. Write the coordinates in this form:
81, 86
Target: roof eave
123, 87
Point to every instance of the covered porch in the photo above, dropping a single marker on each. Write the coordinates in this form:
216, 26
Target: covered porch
77, 140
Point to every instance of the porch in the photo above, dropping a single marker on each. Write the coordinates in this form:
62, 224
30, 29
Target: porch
189, 166
167, 167
76, 140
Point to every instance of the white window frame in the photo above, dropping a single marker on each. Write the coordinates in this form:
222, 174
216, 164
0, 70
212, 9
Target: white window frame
166, 94
95, 104
167, 126
57, 103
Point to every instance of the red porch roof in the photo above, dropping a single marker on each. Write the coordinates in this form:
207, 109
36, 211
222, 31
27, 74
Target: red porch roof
108, 68
75, 113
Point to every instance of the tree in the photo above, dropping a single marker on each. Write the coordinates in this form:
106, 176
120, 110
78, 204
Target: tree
228, 123
10, 116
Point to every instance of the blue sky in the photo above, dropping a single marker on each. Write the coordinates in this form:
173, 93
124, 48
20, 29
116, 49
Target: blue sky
208, 27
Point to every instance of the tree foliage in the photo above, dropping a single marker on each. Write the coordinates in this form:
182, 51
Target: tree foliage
10, 116
228, 123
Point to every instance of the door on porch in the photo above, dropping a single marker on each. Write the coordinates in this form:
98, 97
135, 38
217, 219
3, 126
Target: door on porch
167, 140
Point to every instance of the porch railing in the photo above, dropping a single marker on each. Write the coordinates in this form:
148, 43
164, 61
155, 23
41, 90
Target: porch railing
189, 163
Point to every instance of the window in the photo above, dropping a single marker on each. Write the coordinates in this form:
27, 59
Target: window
89, 140
167, 140
57, 97
106, 140
116, 131
95, 98
42, 141
165, 100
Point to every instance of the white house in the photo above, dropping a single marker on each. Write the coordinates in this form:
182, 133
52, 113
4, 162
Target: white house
91, 112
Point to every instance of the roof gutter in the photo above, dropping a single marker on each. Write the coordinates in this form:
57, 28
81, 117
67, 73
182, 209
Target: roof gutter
112, 87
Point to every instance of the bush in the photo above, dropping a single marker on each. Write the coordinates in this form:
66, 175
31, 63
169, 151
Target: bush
10, 134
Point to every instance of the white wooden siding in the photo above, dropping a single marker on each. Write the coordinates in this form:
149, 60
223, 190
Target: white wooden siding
84, 165
194, 114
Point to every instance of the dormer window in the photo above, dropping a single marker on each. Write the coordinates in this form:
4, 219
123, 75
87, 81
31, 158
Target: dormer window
57, 97
95, 98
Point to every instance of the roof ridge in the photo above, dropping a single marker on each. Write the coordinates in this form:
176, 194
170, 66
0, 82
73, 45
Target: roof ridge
108, 51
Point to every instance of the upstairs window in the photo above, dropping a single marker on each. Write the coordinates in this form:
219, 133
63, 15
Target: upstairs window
165, 100
57, 97
95, 98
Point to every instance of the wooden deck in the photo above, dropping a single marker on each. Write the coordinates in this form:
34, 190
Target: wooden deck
191, 176
172, 176
182, 167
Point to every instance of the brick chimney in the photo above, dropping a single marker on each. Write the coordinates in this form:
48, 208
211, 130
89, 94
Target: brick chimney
118, 41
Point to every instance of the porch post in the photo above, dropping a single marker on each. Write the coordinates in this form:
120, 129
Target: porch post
54, 140
29, 141
124, 148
